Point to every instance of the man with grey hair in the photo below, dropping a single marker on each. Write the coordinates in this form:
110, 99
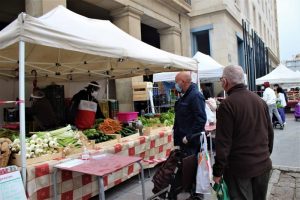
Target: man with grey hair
244, 139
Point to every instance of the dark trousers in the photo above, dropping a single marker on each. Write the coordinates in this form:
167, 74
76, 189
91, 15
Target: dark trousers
247, 188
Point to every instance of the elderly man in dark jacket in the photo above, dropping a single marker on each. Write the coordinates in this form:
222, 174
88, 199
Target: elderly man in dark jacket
244, 139
190, 116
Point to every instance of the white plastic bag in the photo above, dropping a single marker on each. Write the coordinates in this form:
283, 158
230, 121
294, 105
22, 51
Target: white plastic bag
210, 115
204, 171
212, 103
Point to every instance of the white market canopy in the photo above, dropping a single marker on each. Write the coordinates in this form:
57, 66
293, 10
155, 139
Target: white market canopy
67, 46
208, 70
63, 45
281, 74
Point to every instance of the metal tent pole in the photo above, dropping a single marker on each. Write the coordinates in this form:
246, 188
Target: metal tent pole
107, 89
22, 108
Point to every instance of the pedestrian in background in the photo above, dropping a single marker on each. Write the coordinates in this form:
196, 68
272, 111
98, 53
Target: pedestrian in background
269, 97
280, 103
190, 118
284, 93
244, 139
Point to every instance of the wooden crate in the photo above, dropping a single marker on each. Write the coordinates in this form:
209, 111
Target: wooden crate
72, 151
130, 137
104, 107
139, 85
139, 97
140, 90
16, 159
156, 129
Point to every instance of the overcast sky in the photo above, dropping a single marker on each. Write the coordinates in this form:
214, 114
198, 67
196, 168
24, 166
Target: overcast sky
289, 28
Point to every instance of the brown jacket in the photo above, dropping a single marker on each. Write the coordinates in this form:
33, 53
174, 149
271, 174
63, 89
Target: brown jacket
244, 134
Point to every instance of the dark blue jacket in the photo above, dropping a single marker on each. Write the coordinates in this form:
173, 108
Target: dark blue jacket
190, 117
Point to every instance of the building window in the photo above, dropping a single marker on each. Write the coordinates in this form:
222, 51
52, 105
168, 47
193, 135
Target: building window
254, 17
265, 33
201, 39
246, 5
202, 42
260, 26
240, 50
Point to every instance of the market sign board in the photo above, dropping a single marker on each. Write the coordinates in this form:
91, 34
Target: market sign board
11, 186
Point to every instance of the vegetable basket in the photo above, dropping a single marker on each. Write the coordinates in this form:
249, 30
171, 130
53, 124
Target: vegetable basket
4, 151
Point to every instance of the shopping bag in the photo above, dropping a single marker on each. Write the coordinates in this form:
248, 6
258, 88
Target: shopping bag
212, 103
210, 115
221, 190
85, 116
204, 170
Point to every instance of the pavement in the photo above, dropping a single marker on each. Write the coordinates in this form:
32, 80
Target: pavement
284, 183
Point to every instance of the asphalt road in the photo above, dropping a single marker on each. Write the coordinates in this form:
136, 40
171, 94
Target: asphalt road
286, 150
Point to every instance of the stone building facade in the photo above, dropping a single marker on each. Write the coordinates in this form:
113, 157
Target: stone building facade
182, 27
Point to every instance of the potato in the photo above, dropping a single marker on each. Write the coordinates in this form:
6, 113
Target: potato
4, 147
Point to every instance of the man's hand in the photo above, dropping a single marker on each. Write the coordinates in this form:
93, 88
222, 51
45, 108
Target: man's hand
217, 179
184, 140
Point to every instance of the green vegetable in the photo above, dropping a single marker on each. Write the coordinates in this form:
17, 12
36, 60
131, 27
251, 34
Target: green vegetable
149, 122
98, 136
65, 136
167, 118
10, 134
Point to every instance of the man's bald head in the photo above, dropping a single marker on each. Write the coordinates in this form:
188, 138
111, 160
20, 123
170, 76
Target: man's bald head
183, 79
185, 76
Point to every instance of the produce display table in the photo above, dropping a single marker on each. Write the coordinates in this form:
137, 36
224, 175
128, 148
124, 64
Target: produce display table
292, 103
99, 165
73, 185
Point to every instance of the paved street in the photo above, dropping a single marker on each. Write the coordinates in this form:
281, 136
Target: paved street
286, 151
285, 179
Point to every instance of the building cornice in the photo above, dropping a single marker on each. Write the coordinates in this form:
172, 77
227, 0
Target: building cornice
170, 30
127, 11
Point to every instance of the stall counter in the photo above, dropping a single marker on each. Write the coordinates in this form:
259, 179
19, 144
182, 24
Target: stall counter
153, 149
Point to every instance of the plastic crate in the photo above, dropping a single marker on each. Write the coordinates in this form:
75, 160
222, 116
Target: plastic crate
127, 116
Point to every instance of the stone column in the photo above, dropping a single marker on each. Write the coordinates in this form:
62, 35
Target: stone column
37, 8
170, 40
129, 20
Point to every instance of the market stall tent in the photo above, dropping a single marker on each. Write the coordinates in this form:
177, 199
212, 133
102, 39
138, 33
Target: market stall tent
208, 70
281, 75
63, 45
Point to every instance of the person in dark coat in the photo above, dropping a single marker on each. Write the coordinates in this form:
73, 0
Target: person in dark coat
190, 117
244, 139
88, 94
42, 112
